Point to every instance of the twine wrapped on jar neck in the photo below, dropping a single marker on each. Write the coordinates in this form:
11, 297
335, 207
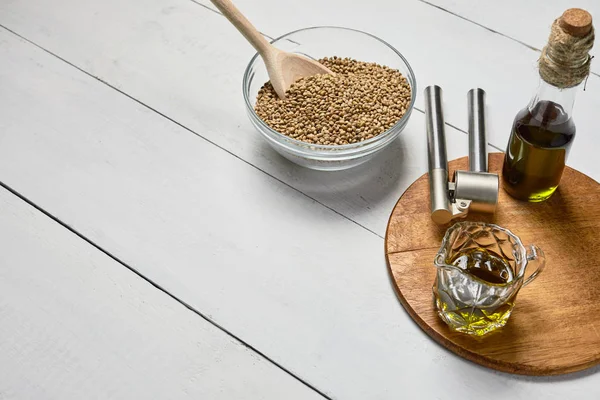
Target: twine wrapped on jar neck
565, 61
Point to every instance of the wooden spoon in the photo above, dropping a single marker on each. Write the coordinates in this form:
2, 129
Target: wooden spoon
283, 68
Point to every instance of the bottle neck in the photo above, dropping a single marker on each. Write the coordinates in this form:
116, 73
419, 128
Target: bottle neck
549, 95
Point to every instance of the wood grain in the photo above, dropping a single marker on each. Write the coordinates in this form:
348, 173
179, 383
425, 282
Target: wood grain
555, 327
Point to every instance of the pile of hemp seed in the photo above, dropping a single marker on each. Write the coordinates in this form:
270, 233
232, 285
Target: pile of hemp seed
361, 101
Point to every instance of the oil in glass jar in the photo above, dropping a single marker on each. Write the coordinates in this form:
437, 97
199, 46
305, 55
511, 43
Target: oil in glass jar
537, 151
543, 132
485, 265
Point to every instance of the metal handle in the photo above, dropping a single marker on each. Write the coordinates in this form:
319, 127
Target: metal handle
478, 158
436, 156
436, 137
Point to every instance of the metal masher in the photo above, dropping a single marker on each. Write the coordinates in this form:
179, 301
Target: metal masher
473, 190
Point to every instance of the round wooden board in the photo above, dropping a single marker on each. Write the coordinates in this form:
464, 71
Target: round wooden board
555, 326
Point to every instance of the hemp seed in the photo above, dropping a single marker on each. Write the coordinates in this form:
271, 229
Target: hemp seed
361, 101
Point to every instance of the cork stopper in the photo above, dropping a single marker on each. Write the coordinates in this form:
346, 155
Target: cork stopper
576, 22
565, 60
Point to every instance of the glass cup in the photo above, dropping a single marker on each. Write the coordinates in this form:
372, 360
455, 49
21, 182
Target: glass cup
481, 268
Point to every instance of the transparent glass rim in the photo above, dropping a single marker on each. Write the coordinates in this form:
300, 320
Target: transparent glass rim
333, 149
458, 225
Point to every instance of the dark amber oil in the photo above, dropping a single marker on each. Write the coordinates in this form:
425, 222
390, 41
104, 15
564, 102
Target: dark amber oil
485, 265
537, 151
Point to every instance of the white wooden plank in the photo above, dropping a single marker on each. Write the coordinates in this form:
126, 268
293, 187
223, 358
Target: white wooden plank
451, 52
166, 54
188, 63
75, 324
297, 281
525, 21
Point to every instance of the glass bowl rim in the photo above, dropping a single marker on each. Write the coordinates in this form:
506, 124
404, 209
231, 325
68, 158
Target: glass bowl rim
327, 147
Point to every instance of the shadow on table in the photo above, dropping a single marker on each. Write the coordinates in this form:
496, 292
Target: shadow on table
363, 187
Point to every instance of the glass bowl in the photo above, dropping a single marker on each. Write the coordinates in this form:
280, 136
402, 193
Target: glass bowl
316, 43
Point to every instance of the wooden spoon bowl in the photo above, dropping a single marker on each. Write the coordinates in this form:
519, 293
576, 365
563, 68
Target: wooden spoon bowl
283, 68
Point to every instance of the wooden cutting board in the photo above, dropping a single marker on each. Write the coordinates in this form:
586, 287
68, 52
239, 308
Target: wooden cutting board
555, 326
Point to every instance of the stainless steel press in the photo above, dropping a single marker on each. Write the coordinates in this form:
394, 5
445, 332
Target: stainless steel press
473, 190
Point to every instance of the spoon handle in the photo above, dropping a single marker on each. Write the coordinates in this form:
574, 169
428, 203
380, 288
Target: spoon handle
243, 25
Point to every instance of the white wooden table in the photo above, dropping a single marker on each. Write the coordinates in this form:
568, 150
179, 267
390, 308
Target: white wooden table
154, 247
